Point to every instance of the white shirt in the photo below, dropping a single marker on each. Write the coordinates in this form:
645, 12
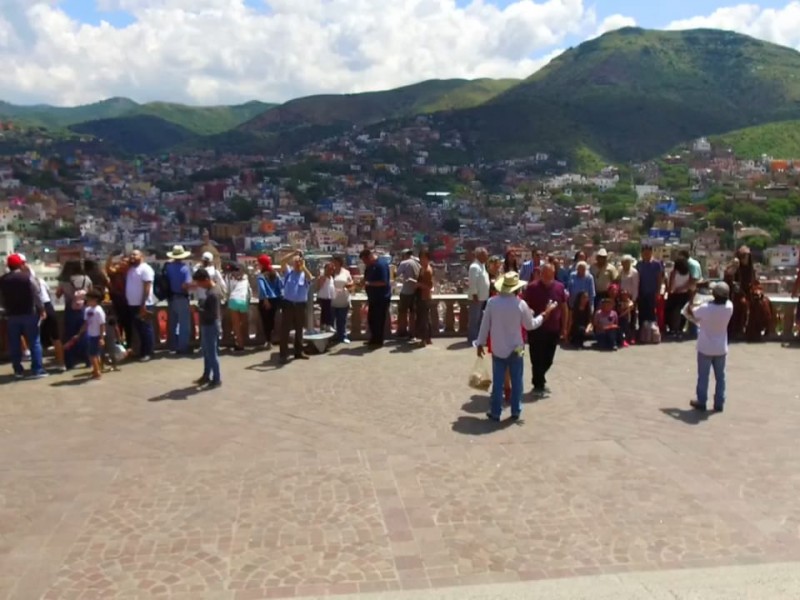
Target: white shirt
44, 290
134, 284
478, 281
629, 282
712, 328
216, 277
239, 289
504, 318
326, 289
95, 319
341, 280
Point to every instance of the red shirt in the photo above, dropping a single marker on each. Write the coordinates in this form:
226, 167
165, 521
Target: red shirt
538, 295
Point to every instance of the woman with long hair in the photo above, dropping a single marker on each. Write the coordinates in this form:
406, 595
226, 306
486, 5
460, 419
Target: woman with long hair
239, 305
73, 285
678, 294
511, 262
270, 296
424, 298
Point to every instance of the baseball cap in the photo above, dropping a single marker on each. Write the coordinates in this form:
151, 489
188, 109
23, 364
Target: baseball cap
208, 256
15, 261
265, 261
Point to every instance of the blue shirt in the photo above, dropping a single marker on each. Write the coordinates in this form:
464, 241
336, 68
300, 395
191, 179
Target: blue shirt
269, 288
563, 275
648, 276
526, 270
178, 273
295, 286
581, 284
378, 271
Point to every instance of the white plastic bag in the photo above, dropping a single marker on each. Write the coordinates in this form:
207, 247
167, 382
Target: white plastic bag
480, 377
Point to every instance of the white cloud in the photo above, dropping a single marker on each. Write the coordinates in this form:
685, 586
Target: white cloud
614, 22
207, 51
778, 25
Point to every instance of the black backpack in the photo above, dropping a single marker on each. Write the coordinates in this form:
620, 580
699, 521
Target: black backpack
161, 287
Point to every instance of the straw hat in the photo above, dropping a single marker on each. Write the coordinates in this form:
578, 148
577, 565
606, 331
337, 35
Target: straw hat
178, 253
509, 283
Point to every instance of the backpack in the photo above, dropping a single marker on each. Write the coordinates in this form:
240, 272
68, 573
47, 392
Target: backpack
161, 287
79, 296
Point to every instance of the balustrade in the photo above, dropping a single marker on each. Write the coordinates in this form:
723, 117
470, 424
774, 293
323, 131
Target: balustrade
449, 318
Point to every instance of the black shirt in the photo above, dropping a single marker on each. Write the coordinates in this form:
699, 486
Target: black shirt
19, 294
209, 307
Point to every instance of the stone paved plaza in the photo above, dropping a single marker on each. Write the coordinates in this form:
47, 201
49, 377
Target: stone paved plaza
367, 472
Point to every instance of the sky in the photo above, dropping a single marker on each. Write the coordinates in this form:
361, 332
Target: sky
203, 52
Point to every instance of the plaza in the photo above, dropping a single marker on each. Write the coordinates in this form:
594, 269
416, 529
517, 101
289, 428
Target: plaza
358, 473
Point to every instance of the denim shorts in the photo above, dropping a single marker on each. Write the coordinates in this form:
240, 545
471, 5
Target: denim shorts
93, 345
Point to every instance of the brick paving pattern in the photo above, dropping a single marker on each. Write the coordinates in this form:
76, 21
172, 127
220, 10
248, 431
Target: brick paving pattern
361, 472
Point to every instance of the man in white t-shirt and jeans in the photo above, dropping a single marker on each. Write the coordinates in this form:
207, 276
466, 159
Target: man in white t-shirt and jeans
712, 320
139, 293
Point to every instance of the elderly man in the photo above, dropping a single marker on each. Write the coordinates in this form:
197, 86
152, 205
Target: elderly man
581, 281
504, 319
604, 274
544, 340
478, 291
377, 282
179, 275
24, 310
296, 285
407, 274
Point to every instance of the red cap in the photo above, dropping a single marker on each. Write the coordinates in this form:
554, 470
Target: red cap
14, 262
265, 261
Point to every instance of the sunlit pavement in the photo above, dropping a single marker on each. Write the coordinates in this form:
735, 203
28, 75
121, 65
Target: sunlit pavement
359, 472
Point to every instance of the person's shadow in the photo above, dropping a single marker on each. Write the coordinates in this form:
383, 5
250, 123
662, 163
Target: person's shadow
478, 404
179, 394
481, 426
689, 416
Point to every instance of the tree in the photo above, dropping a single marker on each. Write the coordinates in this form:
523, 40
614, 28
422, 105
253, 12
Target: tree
632, 248
451, 225
243, 209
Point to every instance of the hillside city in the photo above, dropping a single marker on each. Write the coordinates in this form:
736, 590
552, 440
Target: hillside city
405, 188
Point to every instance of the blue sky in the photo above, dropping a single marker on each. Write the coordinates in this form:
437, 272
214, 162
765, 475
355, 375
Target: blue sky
648, 13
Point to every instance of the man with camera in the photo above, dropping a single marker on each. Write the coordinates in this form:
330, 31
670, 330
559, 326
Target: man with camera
297, 281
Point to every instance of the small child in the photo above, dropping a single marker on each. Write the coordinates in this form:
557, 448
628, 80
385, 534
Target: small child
625, 314
606, 324
94, 326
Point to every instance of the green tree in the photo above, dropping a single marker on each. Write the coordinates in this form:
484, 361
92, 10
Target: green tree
451, 225
243, 209
632, 248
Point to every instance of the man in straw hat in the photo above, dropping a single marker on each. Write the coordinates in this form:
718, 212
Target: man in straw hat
712, 320
505, 318
179, 275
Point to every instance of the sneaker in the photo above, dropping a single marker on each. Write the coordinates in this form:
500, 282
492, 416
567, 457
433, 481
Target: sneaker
346, 341
625, 344
145, 359
19, 375
202, 381
213, 385
697, 406
61, 369
39, 375
491, 417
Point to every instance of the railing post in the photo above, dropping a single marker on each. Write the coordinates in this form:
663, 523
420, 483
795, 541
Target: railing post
787, 321
449, 317
463, 317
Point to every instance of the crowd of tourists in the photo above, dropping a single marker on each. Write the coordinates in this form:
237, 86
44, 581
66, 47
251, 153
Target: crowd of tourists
540, 304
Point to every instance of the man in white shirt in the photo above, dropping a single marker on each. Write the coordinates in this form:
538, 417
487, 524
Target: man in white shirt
504, 319
139, 294
478, 291
712, 320
213, 272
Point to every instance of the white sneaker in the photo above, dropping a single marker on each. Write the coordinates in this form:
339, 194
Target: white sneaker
346, 341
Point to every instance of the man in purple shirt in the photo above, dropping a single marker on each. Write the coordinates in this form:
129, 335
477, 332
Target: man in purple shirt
651, 277
544, 341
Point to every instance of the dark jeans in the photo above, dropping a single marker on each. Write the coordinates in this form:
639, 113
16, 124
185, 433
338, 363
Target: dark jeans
647, 308
543, 345
73, 321
294, 317
422, 327
378, 310
144, 329
26, 326
340, 317
606, 340
577, 336
675, 320
209, 342
406, 317
124, 318
268, 317
325, 312
625, 331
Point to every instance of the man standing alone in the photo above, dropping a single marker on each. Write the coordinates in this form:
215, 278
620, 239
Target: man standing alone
544, 340
478, 292
407, 274
712, 345
379, 296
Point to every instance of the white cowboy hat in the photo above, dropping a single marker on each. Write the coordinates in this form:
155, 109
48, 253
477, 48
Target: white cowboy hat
602, 252
178, 253
509, 283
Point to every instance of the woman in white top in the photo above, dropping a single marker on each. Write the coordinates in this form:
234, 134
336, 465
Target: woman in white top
342, 285
239, 305
678, 294
325, 292
73, 287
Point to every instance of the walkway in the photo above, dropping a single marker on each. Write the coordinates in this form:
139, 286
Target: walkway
359, 473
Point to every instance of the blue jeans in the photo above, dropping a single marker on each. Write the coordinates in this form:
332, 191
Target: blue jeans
27, 325
180, 316
606, 339
340, 321
209, 342
704, 365
73, 321
144, 329
515, 364
474, 323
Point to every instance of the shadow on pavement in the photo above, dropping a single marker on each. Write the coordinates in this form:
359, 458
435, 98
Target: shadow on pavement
688, 416
481, 426
478, 404
179, 394
79, 379
462, 345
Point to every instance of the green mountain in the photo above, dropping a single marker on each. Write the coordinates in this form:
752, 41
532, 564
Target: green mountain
372, 107
202, 120
137, 134
779, 140
633, 93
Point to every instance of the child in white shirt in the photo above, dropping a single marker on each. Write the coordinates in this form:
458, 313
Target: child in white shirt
94, 327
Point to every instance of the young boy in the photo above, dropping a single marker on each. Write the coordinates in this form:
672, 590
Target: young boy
606, 324
94, 326
210, 327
